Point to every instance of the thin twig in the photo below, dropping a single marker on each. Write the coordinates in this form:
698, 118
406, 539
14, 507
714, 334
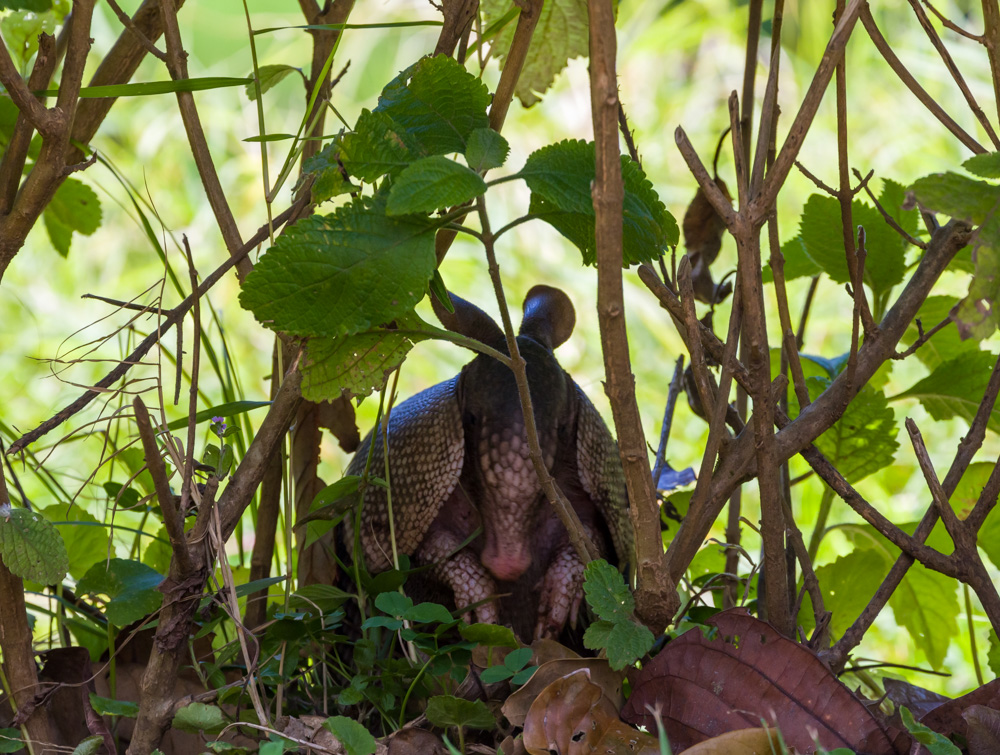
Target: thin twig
172, 317
911, 83
889, 219
953, 26
143, 40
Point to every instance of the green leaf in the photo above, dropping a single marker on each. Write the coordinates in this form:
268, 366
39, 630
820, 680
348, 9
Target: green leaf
968, 490
893, 199
447, 710
848, 584
269, 76
229, 409
326, 597
597, 635
606, 591
31, 547
198, 717
955, 388
75, 207
926, 605
428, 613
433, 183
393, 603
979, 203
936, 743
354, 737
343, 273
106, 706
10, 740
495, 674
984, 166
437, 103
561, 34
129, 585
560, 176
944, 345
822, 237
798, 264
90, 746
352, 365
486, 149
378, 145
85, 538
958, 196
147, 88
35, 6
627, 643
993, 655
489, 635
518, 659
863, 440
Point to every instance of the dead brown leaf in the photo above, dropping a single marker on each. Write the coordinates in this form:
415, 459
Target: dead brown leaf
747, 674
516, 707
742, 742
983, 729
573, 717
947, 718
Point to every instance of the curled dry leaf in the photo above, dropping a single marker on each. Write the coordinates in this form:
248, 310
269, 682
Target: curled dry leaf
920, 701
601, 675
573, 717
703, 229
742, 742
948, 719
983, 729
749, 673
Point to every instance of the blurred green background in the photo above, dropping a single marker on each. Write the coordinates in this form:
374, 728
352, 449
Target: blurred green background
678, 62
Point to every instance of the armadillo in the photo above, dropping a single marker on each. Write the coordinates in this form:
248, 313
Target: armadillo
459, 461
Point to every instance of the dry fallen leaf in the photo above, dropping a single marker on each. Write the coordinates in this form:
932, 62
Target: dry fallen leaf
610, 683
741, 742
573, 717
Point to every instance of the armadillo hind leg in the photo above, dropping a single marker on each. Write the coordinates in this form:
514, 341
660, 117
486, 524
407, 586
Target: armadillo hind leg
463, 573
561, 590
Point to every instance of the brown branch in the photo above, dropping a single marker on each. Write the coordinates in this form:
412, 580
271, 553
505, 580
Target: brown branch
141, 38
627, 134
967, 448
173, 520
46, 122
911, 83
177, 65
173, 317
527, 20
763, 203
656, 598
16, 154
991, 40
18, 659
889, 219
956, 75
754, 13
458, 19
948, 23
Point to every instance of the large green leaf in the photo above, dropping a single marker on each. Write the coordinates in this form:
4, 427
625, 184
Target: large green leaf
342, 273
75, 207
485, 149
979, 203
354, 365
433, 183
268, 76
985, 166
822, 237
926, 604
863, 440
944, 345
561, 34
85, 538
129, 585
955, 388
437, 103
848, 584
560, 177
378, 145
353, 737
31, 547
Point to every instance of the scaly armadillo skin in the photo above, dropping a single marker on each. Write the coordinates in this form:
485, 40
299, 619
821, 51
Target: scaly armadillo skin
459, 460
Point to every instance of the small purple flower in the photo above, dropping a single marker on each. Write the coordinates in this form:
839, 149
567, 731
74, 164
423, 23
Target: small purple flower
218, 425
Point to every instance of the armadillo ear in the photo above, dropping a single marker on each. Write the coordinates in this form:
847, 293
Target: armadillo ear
549, 316
469, 320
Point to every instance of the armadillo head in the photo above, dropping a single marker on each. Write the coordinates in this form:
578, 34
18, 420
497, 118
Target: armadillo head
509, 492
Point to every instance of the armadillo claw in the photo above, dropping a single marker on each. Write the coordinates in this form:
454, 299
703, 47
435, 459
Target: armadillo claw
472, 584
561, 591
